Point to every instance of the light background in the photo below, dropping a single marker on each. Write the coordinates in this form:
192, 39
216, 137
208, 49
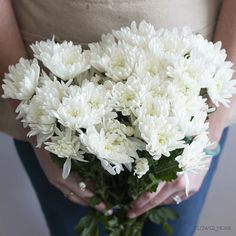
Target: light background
20, 213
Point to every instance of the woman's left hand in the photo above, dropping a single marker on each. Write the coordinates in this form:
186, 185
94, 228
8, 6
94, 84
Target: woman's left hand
166, 192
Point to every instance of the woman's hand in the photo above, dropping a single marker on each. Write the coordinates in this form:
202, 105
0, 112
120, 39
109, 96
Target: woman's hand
70, 186
167, 191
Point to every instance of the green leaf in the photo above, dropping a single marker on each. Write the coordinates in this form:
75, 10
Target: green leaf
162, 215
203, 92
168, 213
154, 216
167, 228
102, 218
113, 222
152, 177
87, 226
116, 232
114, 227
167, 168
95, 200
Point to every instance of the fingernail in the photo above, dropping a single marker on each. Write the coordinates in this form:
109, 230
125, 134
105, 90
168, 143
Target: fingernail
109, 212
100, 206
131, 215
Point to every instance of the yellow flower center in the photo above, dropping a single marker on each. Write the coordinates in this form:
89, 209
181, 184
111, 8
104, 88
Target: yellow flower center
74, 113
162, 139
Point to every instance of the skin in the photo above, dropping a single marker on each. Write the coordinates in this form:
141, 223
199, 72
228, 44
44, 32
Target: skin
12, 48
226, 33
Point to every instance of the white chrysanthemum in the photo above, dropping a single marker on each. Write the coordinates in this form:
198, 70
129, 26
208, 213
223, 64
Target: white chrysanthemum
116, 60
99, 58
65, 60
149, 66
74, 113
97, 97
223, 86
65, 145
154, 66
162, 136
111, 146
193, 72
136, 36
194, 125
121, 62
85, 106
190, 113
154, 87
211, 52
48, 47
176, 41
193, 158
125, 97
41, 123
51, 92
153, 108
141, 167
21, 81
176, 89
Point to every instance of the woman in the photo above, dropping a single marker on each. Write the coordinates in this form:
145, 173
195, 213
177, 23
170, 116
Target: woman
83, 22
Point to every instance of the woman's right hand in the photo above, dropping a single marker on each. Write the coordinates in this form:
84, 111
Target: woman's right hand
70, 186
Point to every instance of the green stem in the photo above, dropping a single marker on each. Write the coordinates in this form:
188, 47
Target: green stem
133, 227
128, 231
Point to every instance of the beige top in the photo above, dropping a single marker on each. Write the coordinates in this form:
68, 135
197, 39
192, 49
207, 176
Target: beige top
83, 21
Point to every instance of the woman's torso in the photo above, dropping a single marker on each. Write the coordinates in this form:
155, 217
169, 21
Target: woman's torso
83, 21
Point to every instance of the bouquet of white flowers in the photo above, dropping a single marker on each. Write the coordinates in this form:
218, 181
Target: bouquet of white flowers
127, 113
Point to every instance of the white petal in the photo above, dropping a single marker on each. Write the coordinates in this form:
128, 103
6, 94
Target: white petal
187, 184
66, 168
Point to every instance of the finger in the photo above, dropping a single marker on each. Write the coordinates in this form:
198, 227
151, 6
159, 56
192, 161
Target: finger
85, 194
146, 197
170, 200
77, 200
73, 183
71, 196
163, 194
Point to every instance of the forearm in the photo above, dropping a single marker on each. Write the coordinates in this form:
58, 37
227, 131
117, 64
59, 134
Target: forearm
11, 49
11, 44
226, 29
226, 33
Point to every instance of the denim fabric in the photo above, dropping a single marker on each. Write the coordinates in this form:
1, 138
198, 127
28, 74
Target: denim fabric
62, 215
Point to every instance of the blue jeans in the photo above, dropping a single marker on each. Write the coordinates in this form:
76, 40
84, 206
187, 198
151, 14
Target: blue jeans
62, 215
